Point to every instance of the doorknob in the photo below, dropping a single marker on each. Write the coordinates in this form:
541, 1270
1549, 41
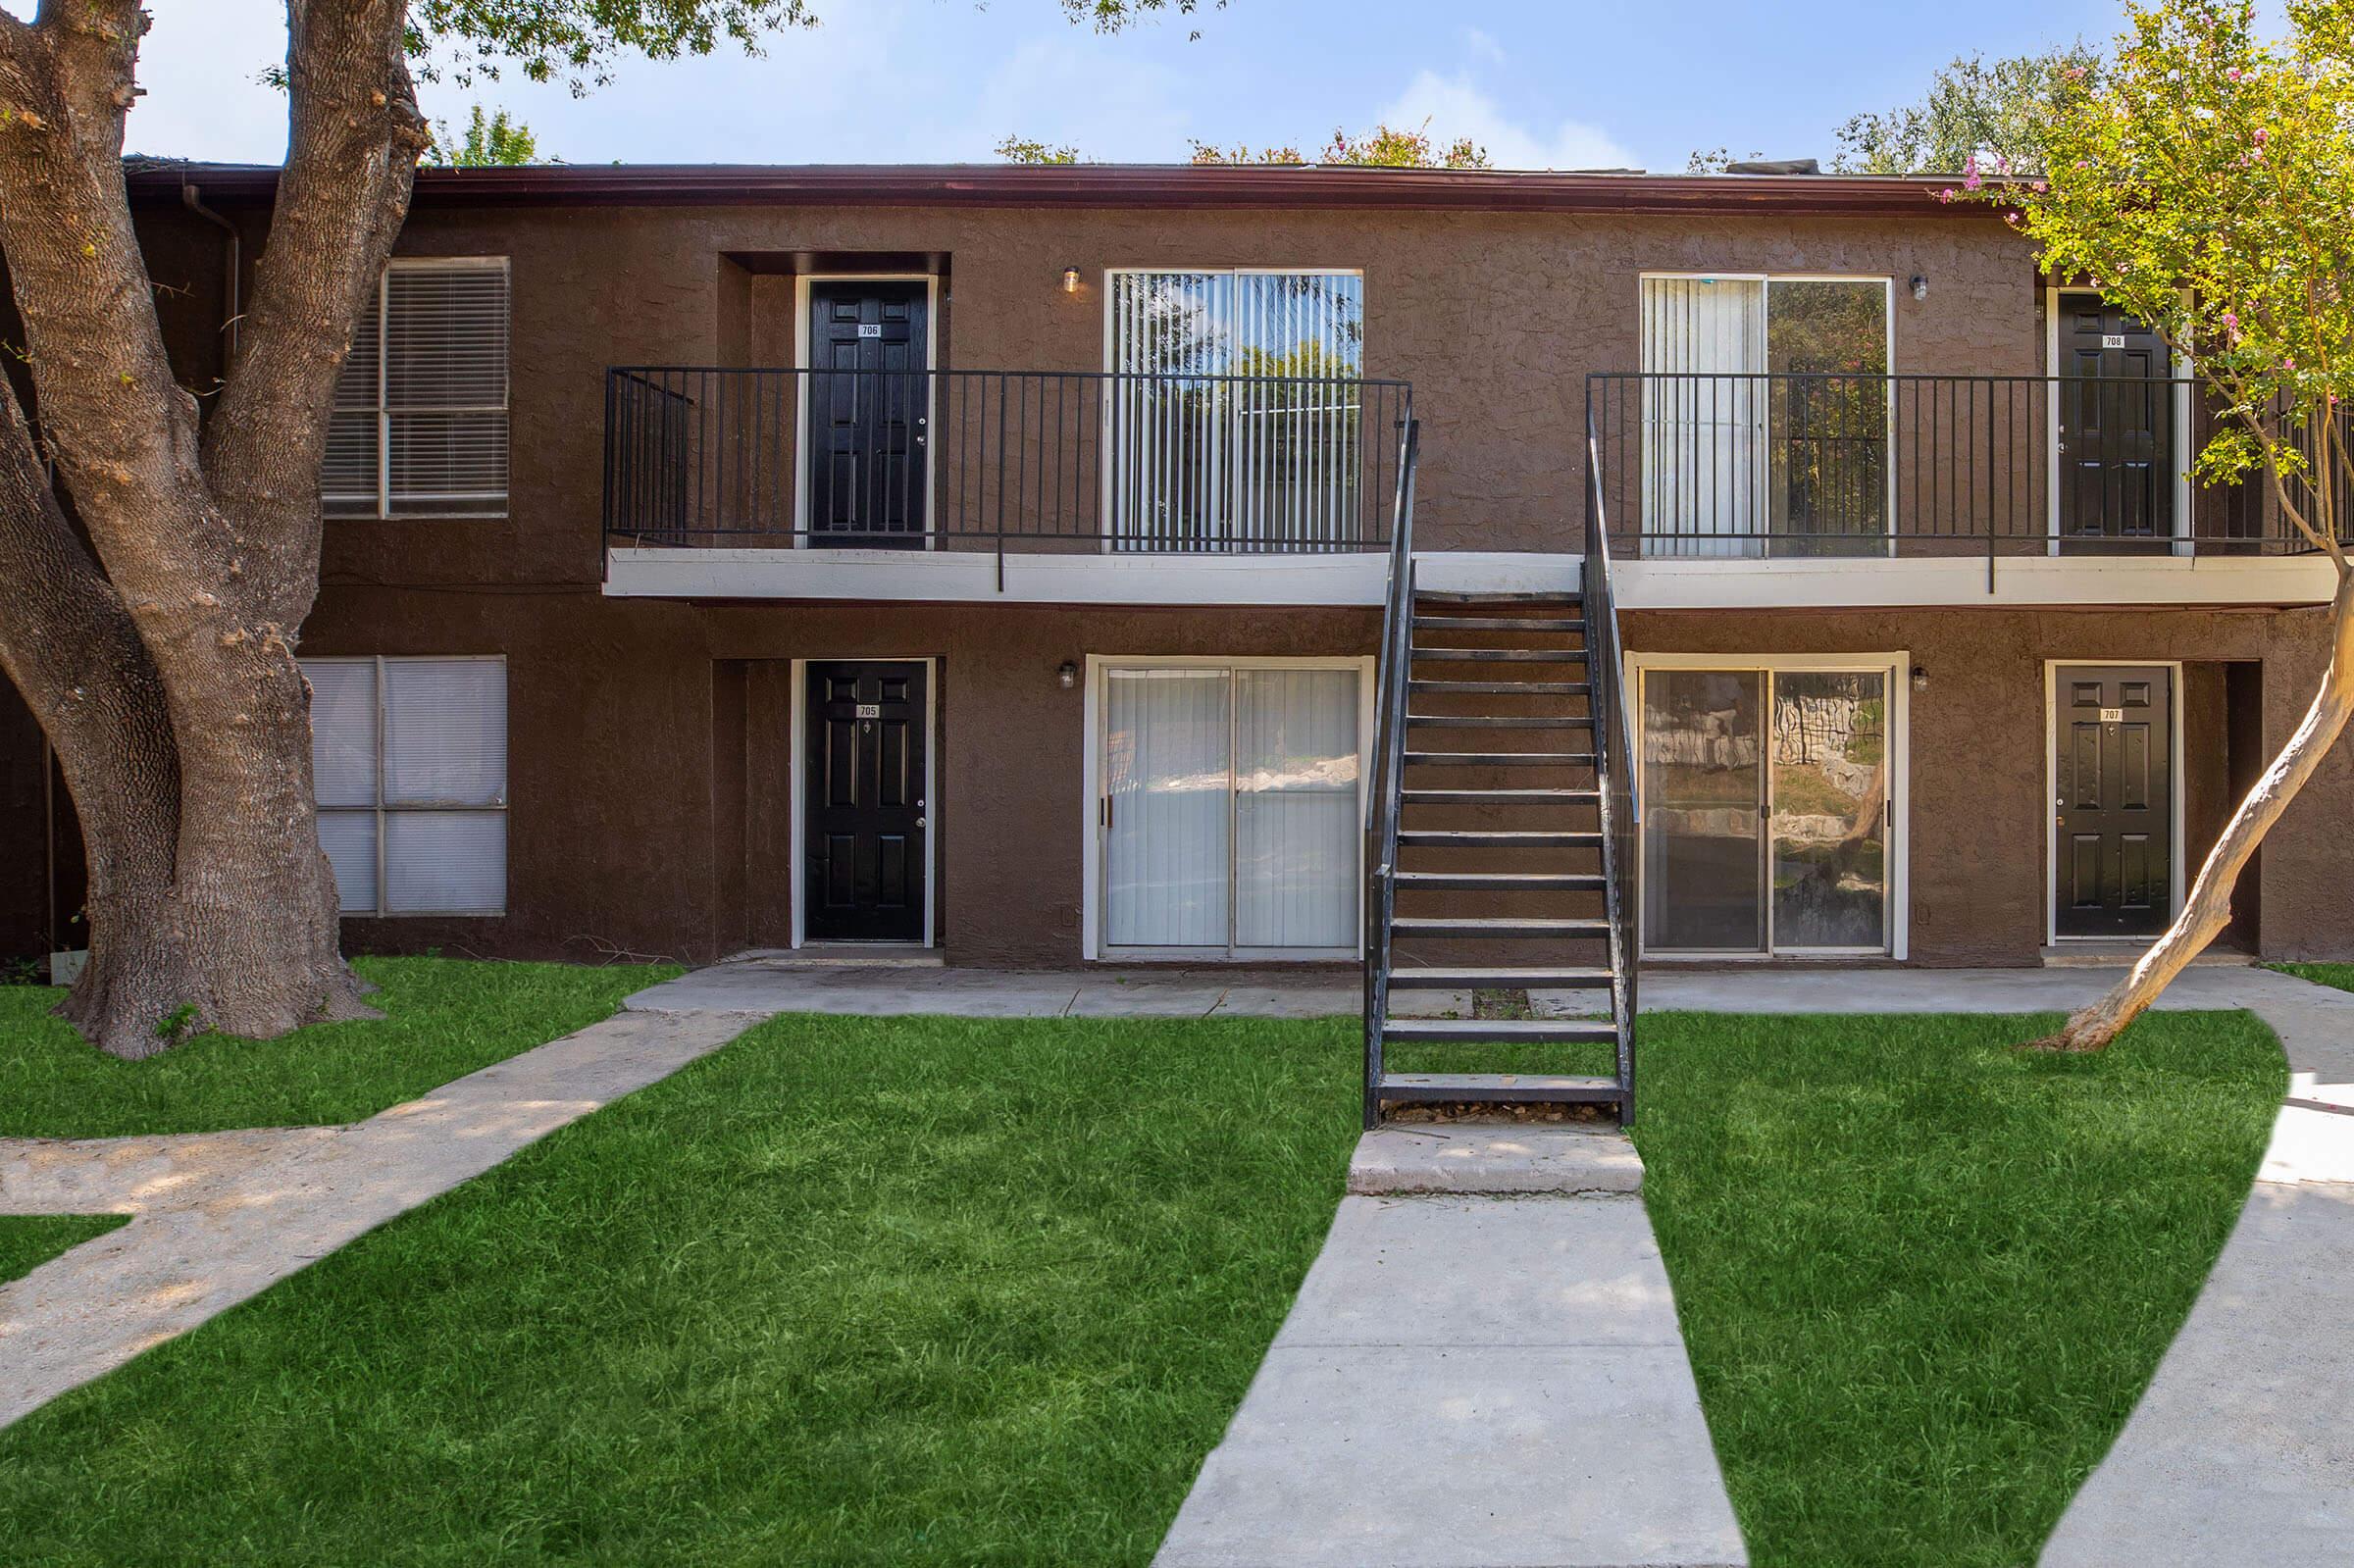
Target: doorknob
919, 822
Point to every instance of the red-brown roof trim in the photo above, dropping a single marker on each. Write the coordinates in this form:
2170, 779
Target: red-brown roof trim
1109, 185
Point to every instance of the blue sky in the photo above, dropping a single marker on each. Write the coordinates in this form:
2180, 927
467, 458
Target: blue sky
1542, 84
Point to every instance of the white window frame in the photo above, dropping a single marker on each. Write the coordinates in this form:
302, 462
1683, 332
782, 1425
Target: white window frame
1109, 501
384, 415
384, 811
1095, 897
1896, 670
1767, 281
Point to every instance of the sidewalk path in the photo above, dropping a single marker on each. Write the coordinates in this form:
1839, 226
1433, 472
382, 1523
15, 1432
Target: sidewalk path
1472, 1381
2242, 1450
221, 1216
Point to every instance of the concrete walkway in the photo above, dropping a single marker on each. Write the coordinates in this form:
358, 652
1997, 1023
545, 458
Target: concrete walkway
2242, 1450
1472, 1381
221, 1216
790, 985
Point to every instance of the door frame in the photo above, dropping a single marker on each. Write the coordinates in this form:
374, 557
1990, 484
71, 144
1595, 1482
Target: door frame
799, 761
1897, 669
2180, 368
800, 403
1094, 889
2051, 785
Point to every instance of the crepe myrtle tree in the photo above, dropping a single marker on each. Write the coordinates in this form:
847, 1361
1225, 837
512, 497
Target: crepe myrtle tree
160, 554
2204, 181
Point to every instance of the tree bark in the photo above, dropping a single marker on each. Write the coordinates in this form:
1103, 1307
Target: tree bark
221, 909
2208, 909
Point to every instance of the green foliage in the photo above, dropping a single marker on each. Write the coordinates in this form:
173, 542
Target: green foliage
1385, 147
2203, 181
491, 141
1024, 150
28, 1241
576, 41
1973, 108
1712, 160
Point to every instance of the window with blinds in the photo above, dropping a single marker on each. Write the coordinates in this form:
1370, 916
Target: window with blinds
409, 761
420, 423
1236, 416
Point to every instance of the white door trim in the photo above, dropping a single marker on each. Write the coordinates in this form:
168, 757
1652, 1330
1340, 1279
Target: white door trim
2050, 786
931, 805
1095, 901
800, 403
1897, 670
2180, 371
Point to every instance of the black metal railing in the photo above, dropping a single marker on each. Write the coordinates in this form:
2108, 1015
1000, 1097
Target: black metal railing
1860, 466
1614, 766
1003, 460
1383, 799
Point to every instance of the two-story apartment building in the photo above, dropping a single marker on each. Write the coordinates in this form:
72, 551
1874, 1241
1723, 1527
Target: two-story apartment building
993, 560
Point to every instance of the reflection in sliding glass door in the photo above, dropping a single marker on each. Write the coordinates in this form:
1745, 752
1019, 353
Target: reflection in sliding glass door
1765, 797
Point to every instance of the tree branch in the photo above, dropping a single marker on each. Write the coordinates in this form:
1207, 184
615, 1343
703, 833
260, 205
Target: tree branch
355, 134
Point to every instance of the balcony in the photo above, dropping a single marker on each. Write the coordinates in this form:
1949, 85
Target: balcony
1843, 470
987, 464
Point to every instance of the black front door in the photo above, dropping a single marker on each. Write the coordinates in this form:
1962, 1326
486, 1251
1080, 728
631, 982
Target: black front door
870, 404
2117, 431
2112, 860
865, 850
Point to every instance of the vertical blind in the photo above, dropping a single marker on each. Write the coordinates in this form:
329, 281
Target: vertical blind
1233, 808
1236, 416
1704, 414
420, 422
409, 761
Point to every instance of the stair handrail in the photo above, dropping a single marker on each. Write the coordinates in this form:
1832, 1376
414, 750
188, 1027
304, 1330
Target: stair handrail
1382, 797
1614, 767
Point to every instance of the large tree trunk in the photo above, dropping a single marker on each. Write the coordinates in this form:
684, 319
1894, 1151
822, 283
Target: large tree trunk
2208, 909
213, 906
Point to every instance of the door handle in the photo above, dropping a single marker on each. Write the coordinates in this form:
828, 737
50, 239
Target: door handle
919, 822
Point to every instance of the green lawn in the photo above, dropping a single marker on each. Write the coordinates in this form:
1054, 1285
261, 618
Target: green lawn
443, 1018
28, 1241
2340, 975
930, 1292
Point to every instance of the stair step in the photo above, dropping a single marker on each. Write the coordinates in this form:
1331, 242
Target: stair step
1500, 1030
1500, 797
1507, 881
1505, 688
1496, 838
1501, 721
1499, 655
1572, 978
1444, 596
1503, 759
1496, 1086
1500, 623
1494, 926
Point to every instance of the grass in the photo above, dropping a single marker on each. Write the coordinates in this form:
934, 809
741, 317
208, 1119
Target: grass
443, 1018
930, 1292
1924, 1278
28, 1241
2340, 975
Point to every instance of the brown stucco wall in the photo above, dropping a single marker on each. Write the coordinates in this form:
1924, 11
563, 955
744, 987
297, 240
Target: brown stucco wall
1978, 764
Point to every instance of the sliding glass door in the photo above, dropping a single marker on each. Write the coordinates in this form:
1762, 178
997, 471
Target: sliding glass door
1766, 415
1231, 814
1766, 810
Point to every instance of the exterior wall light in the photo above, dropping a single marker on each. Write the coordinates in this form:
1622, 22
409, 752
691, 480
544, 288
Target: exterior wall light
1920, 679
1921, 286
1070, 279
1067, 675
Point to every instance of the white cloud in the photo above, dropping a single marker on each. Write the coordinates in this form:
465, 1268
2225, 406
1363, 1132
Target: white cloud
1455, 106
1483, 47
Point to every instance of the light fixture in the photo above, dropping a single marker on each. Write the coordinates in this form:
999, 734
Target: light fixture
1920, 678
1070, 279
1067, 675
1921, 286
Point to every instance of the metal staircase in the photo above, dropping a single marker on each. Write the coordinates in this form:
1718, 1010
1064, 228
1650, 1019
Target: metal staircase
1499, 837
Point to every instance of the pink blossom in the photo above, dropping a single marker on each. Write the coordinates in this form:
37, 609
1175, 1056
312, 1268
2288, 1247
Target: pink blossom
2041, 187
1946, 194
2262, 136
1969, 168
2232, 74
